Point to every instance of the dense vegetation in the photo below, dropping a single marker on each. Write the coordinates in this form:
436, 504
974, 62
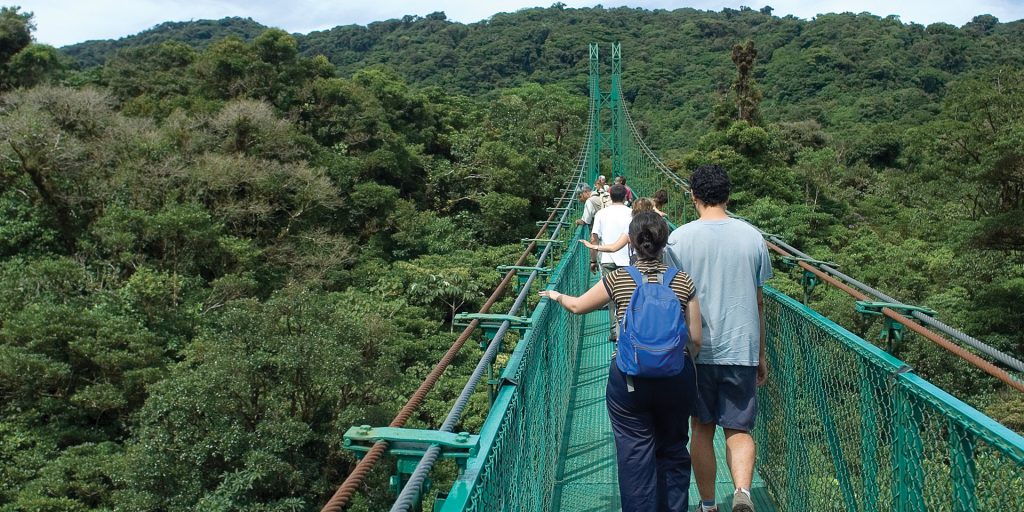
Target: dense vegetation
217, 253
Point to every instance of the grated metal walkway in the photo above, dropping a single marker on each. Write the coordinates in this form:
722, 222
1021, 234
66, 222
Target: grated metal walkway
586, 478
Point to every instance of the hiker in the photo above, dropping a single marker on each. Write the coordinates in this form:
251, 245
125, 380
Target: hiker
601, 186
649, 414
621, 180
610, 223
641, 205
591, 204
728, 260
660, 200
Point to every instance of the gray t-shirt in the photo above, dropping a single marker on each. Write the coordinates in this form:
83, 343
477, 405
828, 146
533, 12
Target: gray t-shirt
728, 261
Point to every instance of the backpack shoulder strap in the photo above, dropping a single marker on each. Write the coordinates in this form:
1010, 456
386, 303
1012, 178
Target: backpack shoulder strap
635, 274
670, 274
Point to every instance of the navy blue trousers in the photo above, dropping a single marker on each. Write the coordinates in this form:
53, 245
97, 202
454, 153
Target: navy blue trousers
651, 427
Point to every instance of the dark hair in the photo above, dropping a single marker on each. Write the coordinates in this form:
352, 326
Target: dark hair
623, 180
648, 234
618, 193
661, 198
710, 184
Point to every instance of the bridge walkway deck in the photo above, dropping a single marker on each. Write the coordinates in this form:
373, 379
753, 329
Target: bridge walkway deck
586, 475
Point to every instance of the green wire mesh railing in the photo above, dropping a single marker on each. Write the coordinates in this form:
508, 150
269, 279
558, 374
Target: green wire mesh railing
845, 426
514, 469
646, 174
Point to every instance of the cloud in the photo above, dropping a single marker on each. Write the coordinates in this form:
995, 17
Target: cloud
62, 22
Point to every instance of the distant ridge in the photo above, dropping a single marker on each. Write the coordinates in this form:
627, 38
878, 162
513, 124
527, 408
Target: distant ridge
198, 34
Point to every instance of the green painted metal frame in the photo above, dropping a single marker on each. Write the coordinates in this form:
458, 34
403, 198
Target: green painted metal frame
594, 80
617, 134
462, 491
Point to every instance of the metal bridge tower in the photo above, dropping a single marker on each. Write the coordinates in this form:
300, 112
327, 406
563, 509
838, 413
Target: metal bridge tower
594, 156
613, 139
618, 114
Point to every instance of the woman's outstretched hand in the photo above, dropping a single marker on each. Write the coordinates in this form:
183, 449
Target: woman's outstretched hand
588, 244
551, 294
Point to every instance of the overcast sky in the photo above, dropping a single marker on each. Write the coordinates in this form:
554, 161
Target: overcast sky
62, 22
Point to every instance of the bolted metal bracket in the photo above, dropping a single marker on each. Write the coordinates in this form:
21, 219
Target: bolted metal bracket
523, 273
408, 445
794, 262
490, 323
540, 243
552, 223
892, 331
808, 280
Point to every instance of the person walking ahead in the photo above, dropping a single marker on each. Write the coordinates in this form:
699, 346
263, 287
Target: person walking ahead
592, 203
610, 223
729, 262
648, 414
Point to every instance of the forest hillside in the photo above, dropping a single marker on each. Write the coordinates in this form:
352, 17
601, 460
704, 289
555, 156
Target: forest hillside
221, 244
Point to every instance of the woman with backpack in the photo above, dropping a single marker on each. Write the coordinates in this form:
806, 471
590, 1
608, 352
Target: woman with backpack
651, 381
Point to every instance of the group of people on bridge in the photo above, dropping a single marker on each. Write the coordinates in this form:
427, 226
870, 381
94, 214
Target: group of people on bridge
706, 375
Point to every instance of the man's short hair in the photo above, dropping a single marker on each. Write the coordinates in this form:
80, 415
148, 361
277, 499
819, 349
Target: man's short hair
618, 193
710, 184
583, 189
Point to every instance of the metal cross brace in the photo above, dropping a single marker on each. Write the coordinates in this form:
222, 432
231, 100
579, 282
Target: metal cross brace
875, 308
793, 261
523, 273
490, 323
809, 281
411, 441
892, 332
542, 241
408, 445
552, 223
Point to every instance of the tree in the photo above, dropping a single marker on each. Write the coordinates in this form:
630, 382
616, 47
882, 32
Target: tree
33, 65
15, 32
253, 417
51, 135
981, 143
748, 97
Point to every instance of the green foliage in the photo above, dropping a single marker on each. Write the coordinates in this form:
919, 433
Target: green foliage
199, 34
228, 244
35, 64
23, 63
215, 260
15, 32
252, 414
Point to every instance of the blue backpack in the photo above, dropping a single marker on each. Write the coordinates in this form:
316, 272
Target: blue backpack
653, 333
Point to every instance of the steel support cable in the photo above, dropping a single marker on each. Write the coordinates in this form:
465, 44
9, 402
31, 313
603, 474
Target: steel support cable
343, 495
411, 490
975, 343
984, 365
956, 333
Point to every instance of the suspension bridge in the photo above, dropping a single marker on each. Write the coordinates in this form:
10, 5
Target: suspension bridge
843, 424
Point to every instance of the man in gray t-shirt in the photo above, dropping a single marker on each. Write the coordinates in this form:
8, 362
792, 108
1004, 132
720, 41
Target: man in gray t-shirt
728, 262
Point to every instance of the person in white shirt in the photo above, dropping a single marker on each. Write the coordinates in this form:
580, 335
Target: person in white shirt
610, 223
